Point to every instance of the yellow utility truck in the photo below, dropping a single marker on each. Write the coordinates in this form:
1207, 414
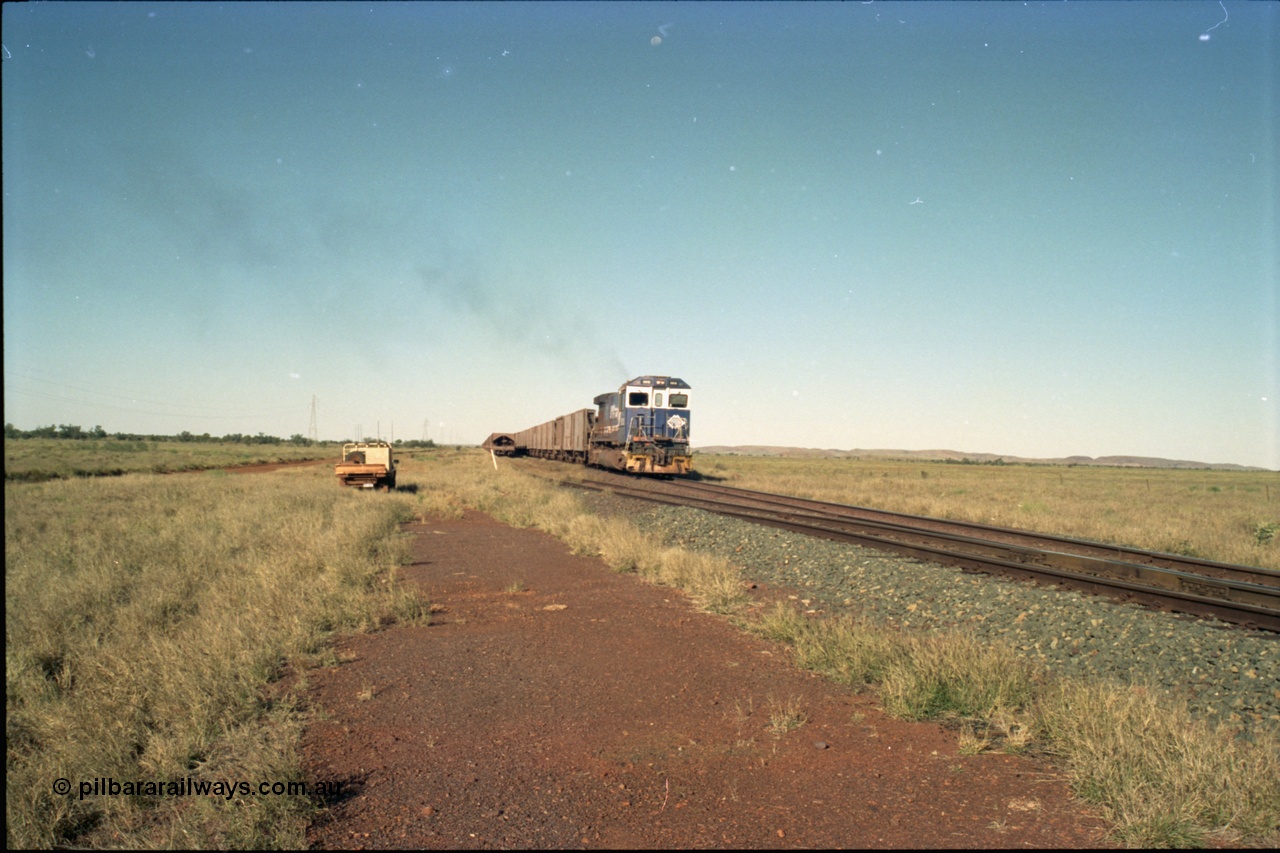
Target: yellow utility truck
367, 465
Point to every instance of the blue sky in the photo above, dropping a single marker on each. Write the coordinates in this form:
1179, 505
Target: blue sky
1036, 229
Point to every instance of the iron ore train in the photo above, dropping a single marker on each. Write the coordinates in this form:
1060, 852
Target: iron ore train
643, 428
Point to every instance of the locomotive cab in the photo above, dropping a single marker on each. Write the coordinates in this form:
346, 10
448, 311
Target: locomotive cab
644, 427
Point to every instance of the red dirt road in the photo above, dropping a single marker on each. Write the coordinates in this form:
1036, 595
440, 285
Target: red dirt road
553, 703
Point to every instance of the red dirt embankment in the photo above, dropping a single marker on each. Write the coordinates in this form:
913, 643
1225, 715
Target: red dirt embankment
553, 703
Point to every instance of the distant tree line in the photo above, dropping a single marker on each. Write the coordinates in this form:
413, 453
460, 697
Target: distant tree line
77, 433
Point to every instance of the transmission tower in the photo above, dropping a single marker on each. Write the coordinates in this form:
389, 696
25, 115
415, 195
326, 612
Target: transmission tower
424, 428
312, 432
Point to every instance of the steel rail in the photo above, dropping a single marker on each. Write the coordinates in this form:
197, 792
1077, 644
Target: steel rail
1232, 600
1192, 565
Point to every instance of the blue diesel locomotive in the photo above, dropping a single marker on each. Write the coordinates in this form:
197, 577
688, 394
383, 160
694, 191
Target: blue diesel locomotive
643, 428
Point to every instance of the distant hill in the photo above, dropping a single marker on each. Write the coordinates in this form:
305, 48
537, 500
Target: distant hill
958, 456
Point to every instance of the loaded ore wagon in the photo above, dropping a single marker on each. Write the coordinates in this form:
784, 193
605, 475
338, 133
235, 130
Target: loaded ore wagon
564, 439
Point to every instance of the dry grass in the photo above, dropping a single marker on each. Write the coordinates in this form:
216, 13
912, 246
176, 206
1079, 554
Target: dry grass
1230, 516
785, 715
146, 617
971, 742
917, 676
40, 459
846, 650
954, 675
1164, 778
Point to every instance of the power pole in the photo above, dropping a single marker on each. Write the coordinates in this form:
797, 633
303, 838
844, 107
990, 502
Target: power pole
425, 421
312, 432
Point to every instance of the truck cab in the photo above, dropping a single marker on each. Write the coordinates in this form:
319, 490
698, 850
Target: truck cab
644, 427
367, 465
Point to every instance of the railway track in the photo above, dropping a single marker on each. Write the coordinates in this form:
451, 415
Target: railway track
1241, 595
